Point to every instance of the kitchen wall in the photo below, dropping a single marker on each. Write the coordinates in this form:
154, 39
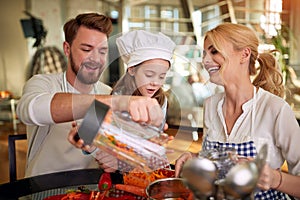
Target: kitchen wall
16, 51
13, 48
295, 27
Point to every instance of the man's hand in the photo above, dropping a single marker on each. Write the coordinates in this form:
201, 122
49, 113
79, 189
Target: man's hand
74, 139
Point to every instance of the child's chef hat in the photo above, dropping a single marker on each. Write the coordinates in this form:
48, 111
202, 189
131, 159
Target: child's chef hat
138, 46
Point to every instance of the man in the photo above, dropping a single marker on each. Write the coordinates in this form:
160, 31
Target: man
51, 102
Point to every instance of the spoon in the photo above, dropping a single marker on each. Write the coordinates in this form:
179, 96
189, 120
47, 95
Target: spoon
241, 179
260, 160
200, 175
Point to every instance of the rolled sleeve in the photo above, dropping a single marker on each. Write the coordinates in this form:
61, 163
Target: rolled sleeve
34, 105
40, 111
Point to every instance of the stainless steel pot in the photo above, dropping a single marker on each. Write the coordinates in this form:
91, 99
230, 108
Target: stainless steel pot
168, 189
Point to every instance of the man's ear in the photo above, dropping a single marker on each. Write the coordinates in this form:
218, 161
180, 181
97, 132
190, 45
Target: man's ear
66, 47
246, 53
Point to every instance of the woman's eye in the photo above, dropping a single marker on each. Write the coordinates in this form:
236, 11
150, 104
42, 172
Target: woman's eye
214, 51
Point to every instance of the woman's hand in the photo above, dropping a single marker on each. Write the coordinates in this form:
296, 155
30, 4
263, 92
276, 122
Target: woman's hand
181, 160
269, 178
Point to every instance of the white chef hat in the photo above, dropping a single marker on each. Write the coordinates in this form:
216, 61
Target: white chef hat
138, 46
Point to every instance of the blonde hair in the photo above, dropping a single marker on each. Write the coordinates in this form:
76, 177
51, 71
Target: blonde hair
241, 36
269, 77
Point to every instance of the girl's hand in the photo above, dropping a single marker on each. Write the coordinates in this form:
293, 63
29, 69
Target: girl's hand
162, 139
106, 161
145, 109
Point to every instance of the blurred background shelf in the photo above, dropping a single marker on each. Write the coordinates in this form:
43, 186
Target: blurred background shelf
8, 112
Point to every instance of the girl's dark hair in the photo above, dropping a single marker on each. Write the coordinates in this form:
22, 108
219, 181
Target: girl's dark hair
95, 21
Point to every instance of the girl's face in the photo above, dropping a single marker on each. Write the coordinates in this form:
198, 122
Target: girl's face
219, 70
150, 75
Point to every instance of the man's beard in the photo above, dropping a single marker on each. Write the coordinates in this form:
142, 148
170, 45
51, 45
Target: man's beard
89, 78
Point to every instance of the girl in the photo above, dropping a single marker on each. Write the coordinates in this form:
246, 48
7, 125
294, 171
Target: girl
148, 58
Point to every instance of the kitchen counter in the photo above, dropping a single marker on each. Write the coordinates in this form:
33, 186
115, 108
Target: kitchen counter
183, 141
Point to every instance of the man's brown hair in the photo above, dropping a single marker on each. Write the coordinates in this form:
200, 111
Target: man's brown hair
95, 21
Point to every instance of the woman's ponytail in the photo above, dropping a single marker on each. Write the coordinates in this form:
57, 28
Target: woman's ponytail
269, 77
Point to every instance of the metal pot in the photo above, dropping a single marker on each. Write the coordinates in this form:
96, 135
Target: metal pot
168, 189
200, 175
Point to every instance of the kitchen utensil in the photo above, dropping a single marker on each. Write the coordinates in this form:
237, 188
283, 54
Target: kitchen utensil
123, 121
127, 147
92, 121
99, 129
168, 189
261, 157
241, 179
223, 158
200, 175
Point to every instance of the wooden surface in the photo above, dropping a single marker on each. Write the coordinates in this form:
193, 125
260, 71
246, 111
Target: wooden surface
21, 150
183, 141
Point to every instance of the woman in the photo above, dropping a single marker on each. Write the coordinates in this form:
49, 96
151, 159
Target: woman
246, 116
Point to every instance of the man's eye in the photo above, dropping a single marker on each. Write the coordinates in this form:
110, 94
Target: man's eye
86, 50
